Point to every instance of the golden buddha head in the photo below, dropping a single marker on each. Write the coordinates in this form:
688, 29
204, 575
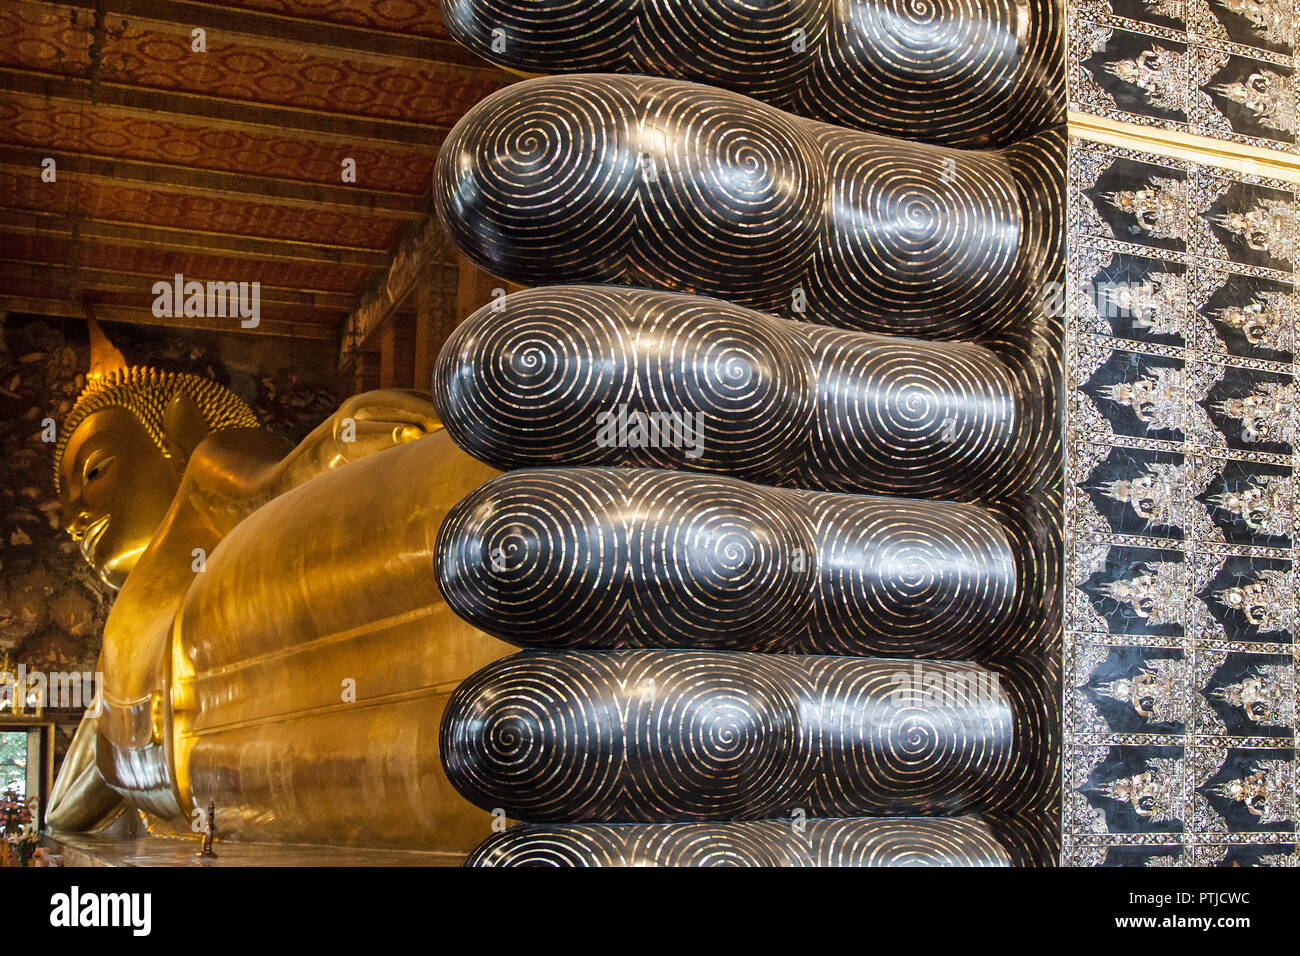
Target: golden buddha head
122, 452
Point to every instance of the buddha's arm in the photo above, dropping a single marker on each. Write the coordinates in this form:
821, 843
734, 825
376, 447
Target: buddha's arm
80, 798
364, 424
233, 473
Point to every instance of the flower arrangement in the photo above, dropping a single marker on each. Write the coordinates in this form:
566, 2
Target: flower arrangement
17, 827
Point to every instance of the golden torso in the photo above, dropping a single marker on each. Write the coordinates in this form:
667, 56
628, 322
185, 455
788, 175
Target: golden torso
281, 650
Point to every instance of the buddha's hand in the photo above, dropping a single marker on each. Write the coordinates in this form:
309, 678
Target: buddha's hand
373, 421
363, 425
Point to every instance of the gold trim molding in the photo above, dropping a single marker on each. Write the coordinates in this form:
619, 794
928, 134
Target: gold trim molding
1251, 160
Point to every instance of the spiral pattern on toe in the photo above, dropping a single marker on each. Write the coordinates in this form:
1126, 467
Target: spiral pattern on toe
733, 742
531, 556
711, 561
740, 192
606, 558
550, 762
644, 736
665, 184
556, 375
891, 577
957, 72
554, 178
916, 841
926, 231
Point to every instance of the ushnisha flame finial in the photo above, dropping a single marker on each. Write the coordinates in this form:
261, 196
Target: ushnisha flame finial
104, 355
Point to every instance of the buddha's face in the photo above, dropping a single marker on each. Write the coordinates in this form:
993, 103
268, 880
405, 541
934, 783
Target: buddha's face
116, 488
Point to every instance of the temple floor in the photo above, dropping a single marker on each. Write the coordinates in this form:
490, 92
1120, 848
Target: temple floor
94, 849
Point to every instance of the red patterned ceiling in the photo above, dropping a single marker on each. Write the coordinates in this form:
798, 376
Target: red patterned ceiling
223, 164
181, 210
38, 36
163, 263
113, 132
411, 17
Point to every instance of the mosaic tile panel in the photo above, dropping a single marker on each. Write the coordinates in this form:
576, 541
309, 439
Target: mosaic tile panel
1180, 660
1219, 68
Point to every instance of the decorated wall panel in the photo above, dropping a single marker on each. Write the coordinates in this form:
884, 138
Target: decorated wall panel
1218, 68
1180, 663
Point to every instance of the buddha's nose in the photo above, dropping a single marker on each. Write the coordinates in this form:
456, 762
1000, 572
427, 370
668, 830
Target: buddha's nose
76, 522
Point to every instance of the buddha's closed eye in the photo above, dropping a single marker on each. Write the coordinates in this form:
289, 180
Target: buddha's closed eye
96, 467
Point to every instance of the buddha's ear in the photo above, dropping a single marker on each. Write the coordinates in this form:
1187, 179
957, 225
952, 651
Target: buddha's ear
183, 427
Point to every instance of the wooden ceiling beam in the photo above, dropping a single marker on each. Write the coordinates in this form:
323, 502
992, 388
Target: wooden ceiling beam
189, 179
21, 276
422, 246
293, 34
219, 112
68, 308
385, 277
187, 240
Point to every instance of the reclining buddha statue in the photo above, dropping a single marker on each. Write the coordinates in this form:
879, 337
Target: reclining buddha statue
269, 646
733, 540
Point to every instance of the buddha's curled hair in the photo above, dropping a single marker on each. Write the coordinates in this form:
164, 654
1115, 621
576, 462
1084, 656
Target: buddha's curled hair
146, 392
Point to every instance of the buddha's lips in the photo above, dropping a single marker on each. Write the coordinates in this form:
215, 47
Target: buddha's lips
93, 533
